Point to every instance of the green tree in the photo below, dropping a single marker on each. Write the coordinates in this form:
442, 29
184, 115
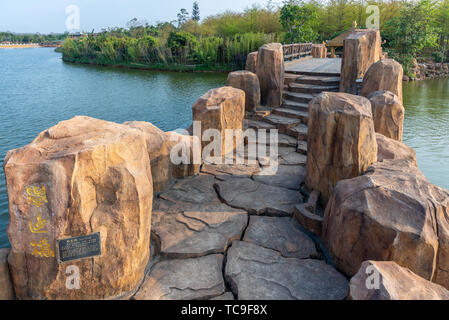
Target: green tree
299, 20
196, 11
183, 16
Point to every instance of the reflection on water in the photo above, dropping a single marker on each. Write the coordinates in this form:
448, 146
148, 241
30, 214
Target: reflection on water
37, 90
426, 127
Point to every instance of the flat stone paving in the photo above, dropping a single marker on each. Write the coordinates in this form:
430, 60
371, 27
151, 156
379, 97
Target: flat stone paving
317, 66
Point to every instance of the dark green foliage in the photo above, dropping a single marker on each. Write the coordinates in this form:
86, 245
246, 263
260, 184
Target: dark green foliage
196, 11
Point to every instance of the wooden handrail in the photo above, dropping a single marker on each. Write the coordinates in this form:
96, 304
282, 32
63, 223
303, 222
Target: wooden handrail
297, 50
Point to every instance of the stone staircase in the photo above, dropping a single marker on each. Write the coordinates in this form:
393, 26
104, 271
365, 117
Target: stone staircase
292, 117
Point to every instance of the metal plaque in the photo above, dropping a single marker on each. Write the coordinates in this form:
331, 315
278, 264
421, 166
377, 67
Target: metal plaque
78, 248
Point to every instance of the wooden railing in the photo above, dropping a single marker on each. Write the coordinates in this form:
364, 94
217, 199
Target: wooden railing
297, 50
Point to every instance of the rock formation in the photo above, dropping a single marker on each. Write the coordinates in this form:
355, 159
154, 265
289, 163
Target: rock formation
383, 75
361, 49
341, 140
220, 109
79, 177
251, 62
6, 288
319, 51
392, 213
388, 114
270, 70
248, 82
389, 149
389, 281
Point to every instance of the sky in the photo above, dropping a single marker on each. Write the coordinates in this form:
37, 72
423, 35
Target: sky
46, 16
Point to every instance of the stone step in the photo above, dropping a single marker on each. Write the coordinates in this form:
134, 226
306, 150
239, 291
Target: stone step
254, 124
316, 74
310, 88
284, 140
281, 122
300, 106
292, 113
298, 97
289, 78
299, 132
319, 81
302, 147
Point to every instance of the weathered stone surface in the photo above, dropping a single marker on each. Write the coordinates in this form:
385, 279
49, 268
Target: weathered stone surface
186, 147
270, 70
392, 213
289, 156
383, 75
193, 190
225, 171
249, 83
228, 296
361, 49
158, 151
388, 114
396, 283
6, 288
258, 198
394, 150
290, 177
282, 235
220, 109
257, 273
186, 231
79, 177
184, 279
308, 219
251, 62
319, 51
341, 141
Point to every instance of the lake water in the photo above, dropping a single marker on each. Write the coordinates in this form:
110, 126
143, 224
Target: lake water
37, 90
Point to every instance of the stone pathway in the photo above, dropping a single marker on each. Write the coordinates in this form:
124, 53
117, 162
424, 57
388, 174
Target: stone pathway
229, 233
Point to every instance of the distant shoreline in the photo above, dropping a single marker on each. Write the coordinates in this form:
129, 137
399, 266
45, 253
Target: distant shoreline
19, 46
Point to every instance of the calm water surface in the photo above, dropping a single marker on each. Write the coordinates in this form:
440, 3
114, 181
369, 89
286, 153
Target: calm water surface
37, 90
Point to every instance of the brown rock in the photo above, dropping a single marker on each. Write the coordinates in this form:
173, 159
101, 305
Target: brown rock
394, 150
361, 49
383, 75
6, 289
79, 177
188, 148
248, 82
341, 140
270, 70
392, 213
220, 109
388, 114
251, 62
319, 51
389, 281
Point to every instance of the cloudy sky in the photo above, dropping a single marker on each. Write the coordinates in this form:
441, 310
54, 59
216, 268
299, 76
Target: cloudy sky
47, 16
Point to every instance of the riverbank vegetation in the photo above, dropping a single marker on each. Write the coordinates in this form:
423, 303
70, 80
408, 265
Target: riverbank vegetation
411, 29
27, 38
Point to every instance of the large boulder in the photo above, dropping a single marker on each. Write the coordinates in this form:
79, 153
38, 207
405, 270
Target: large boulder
392, 213
388, 114
248, 82
389, 281
385, 74
389, 149
270, 70
361, 49
341, 140
319, 51
251, 62
220, 109
6, 289
80, 177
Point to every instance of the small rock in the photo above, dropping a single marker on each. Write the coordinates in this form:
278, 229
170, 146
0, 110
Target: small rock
395, 283
394, 150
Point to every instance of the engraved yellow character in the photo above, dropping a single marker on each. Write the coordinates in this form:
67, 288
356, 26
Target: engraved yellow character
39, 226
42, 249
36, 195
